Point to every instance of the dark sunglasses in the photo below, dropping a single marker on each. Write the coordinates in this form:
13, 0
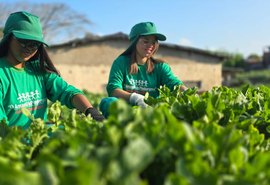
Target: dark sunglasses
30, 44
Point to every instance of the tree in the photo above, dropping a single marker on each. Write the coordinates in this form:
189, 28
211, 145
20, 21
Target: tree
254, 57
60, 23
232, 59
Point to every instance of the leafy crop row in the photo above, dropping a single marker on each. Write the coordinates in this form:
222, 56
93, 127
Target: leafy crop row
220, 137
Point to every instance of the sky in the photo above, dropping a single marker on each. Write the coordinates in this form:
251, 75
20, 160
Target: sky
235, 26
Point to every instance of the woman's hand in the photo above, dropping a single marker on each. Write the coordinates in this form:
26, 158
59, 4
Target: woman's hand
94, 113
137, 99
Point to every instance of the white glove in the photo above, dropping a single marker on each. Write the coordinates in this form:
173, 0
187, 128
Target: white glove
137, 99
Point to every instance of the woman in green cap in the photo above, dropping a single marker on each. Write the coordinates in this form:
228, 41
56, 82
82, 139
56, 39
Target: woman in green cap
136, 71
28, 77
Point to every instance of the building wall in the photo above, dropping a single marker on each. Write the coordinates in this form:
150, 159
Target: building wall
192, 67
87, 67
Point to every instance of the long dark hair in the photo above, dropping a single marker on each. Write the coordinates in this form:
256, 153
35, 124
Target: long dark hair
45, 63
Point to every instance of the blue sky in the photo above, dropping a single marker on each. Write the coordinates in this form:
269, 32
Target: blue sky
241, 26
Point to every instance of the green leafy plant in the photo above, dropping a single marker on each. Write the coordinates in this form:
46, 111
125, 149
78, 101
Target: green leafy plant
218, 137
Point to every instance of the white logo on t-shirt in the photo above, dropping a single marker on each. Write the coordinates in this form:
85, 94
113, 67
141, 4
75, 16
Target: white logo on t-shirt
138, 83
24, 97
28, 100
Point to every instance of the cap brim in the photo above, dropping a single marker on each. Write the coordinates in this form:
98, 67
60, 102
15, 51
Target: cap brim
159, 36
28, 37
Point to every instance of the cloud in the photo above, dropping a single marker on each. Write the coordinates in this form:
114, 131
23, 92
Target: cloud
185, 42
213, 48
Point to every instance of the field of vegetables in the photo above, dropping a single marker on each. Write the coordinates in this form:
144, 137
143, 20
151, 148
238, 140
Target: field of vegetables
219, 137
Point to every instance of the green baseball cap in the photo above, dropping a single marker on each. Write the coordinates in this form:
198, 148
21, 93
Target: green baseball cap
142, 29
23, 25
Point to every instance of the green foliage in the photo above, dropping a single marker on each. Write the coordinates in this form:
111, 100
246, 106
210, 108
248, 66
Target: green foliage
254, 57
94, 98
218, 137
232, 59
254, 78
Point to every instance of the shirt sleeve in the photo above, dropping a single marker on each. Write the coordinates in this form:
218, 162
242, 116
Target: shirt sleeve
58, 89
2, 110
116, 76
168, 78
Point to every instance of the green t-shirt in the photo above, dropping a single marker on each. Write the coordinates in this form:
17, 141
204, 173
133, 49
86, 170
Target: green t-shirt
141, 82
28, 88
